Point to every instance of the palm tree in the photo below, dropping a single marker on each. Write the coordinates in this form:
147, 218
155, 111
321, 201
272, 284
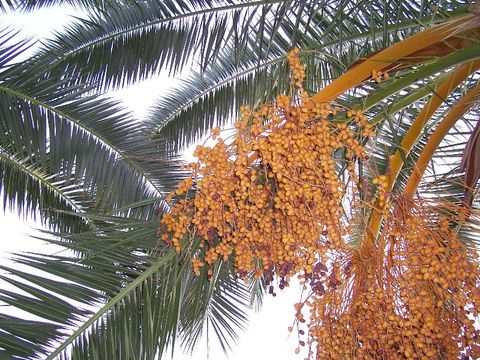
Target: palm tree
98, 177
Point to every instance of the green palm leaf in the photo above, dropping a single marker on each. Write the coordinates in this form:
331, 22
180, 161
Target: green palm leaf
145, 287
331, 41
24, 338
31, 5
158, 35
58, 140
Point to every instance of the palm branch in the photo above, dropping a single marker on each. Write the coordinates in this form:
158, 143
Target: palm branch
329, 45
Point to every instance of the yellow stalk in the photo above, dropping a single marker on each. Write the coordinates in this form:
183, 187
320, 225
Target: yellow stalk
407, 143
457, 111
392, 54
414, 132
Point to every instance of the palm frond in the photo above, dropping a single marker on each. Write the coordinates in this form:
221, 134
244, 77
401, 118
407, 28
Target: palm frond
21, 339
32, 5
29, 188
10, 47
122, 45
213, 98
221, 307
330, 42
151, 294
80, 153
59, 140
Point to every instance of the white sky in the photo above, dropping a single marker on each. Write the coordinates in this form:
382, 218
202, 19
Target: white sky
266, 336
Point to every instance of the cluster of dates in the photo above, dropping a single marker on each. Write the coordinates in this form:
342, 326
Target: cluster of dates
272, 200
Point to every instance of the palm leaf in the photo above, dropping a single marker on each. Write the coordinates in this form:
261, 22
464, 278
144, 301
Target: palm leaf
128, 270
31, 5
330, 42
24, 338
58, 140
158, 35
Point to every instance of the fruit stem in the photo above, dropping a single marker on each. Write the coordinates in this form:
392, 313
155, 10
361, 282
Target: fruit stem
458, 110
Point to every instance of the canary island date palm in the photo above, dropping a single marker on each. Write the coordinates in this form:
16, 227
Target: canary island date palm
97, 176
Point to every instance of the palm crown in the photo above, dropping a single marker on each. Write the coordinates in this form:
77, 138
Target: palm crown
98, 177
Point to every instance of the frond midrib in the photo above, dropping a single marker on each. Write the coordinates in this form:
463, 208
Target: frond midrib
74, 51
41, 179
150, 271
88, 130
216, 86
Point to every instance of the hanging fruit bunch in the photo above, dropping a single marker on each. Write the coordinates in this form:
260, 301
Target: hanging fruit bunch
413, 296
272, 199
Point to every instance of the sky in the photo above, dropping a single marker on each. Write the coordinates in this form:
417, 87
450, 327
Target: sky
266, 336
